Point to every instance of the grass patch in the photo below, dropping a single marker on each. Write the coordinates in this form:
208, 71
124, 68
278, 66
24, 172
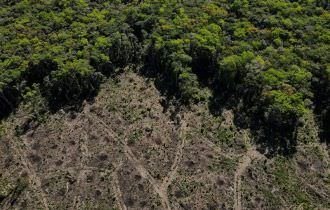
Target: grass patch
289, 184
135, 136
225, 136
186, 188
225, 164
5, 188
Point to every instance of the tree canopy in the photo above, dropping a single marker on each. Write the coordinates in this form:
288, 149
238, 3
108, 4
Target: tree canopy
272, 55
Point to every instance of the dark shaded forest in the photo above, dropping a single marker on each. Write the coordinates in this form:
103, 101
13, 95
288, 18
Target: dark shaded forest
268, 60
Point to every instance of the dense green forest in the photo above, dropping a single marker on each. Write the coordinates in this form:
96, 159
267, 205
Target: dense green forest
268, 60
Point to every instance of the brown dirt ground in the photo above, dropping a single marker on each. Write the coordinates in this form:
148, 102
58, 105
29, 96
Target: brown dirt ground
124, 151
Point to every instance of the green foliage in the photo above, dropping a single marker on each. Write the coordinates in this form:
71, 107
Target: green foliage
225, 135
71, 86
272, 55
286, 103
2, 129
5, 188
188, 86
44, 42
288, 182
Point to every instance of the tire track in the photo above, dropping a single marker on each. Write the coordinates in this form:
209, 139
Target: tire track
246, 160
178, 157
145, 174
34, 180
116, 189
160, 188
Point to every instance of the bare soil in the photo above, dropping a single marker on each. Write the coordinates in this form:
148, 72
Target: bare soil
125, 151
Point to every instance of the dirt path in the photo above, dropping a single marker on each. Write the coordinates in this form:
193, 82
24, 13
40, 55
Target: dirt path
116, 189
34, 180
145, 174
251, 154
136, 163
85, 155
178, 157
159, 188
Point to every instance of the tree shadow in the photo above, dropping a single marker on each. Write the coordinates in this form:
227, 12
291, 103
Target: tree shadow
10, 98
163, 80
65, 91
274, 137
70, 91
271, 135
325, 127
321, 87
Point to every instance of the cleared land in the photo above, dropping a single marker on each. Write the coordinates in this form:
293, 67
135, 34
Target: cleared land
126, 151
